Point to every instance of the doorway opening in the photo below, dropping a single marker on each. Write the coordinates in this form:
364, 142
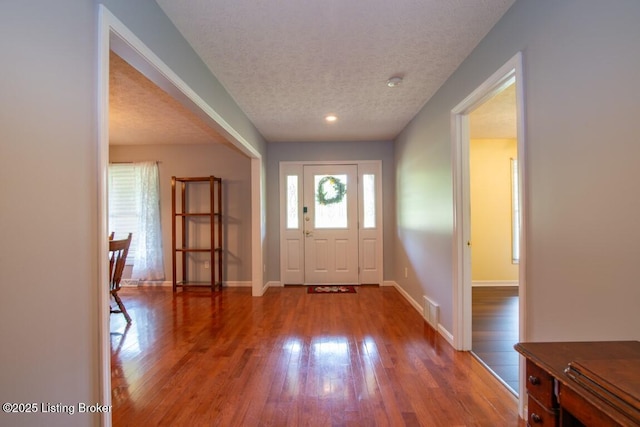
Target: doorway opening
115, 36
330, 223
493, 187
488, 238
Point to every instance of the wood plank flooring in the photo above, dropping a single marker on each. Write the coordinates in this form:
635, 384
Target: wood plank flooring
495, 331
293, 359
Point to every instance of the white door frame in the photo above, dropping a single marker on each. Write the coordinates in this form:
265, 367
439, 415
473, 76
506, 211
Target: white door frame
114, 35
462, 293
291, 240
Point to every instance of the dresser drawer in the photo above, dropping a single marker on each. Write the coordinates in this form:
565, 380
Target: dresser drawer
539, 416
540, 386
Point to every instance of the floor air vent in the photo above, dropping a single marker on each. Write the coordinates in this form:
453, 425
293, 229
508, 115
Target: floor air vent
431, 312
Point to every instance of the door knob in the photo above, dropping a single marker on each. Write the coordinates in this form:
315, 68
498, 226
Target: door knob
308, 233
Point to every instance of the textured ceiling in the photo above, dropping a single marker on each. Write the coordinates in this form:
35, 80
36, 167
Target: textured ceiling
496, 117
142, 113
288, 63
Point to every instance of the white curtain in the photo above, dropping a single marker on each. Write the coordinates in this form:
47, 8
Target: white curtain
148, 263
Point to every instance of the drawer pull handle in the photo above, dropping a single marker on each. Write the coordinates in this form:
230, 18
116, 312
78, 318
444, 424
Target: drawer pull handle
536, 418
534, 380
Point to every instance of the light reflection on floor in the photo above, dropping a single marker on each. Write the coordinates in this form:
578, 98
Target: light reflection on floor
326, 359
285, 359
128, 348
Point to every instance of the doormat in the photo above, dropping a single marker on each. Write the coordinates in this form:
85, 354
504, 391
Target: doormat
331, 289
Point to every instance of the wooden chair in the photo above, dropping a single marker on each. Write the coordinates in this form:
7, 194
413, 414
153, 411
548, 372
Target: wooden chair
118, 250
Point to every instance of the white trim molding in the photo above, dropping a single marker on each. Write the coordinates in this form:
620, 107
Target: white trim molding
132, 283
274, 284
493, 283
510, 73
238, 284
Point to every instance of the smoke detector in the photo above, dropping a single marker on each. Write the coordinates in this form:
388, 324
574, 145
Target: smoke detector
394, 81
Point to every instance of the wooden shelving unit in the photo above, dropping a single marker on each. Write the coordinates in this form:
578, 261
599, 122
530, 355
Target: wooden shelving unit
183, 218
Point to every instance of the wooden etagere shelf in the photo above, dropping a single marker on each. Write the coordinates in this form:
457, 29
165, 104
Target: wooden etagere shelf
181, 239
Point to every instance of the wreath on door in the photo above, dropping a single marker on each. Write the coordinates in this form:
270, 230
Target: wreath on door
330, 190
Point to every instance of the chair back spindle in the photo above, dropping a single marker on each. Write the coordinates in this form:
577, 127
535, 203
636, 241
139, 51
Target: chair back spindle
118, 251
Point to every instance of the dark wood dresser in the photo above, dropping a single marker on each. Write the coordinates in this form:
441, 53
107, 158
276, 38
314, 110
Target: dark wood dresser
582, 383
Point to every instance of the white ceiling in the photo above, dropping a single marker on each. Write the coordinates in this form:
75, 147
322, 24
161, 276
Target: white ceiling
289, 63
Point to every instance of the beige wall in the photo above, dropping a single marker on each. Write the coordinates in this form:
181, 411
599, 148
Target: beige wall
203, 160
491, 210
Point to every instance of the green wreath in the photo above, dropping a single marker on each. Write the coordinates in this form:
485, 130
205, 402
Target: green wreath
338, 187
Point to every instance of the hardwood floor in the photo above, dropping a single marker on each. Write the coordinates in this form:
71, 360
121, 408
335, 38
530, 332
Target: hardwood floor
495, 331
293, 359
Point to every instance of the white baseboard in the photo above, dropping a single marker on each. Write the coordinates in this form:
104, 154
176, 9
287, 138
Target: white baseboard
262, 291
238, 284
132, 283
493, 283
448, 336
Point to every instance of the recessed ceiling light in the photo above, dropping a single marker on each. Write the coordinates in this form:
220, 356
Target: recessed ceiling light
394, 81
331, 118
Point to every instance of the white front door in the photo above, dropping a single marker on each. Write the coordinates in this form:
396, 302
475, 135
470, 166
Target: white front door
330, 224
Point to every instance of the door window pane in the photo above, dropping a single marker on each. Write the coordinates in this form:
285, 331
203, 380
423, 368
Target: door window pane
330, 201
293, 222
369, 200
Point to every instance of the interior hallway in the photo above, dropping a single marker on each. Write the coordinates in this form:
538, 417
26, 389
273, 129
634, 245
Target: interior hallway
292, 358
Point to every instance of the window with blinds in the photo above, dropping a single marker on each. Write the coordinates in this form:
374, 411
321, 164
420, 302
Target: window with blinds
123, 205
